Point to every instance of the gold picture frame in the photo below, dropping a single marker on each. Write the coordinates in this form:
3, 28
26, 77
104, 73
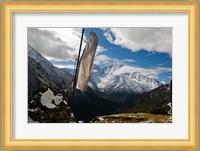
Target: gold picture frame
8, 8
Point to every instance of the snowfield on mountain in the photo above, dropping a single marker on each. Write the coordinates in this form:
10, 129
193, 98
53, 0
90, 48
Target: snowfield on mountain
121, 79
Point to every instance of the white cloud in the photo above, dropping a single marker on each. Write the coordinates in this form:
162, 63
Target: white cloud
152, 72
64, 66
109, 36
58, 43
102, 59
55, 43
128, 60
100, 49
135, 39
106, 60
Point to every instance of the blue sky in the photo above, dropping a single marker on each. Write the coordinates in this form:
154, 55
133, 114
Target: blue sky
145, 48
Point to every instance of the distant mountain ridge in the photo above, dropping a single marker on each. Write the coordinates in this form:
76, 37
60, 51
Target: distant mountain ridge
42, 73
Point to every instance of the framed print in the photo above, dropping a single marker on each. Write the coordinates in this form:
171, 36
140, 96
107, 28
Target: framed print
100, 75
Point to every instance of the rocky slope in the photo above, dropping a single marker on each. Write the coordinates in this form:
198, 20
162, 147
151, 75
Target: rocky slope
42, 73
49, 106
157, 101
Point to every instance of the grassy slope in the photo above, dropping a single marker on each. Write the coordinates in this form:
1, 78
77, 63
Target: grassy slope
134, 118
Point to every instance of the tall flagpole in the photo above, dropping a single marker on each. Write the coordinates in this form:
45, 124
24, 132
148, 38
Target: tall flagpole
74, 80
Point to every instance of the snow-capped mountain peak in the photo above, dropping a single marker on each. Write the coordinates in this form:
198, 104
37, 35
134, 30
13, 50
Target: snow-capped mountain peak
120, 78
111, 68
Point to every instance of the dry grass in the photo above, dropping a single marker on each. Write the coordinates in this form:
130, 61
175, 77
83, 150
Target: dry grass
134, 118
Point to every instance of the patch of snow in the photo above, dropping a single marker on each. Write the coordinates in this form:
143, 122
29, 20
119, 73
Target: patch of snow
50, 105
169, 104
31, 121
33, 110
65, 102
148, 121
58, 99
80, 121
101, 118
167, 88
47, 98
170, 110
90, 85
169, 120
71, 115
163, 82
31, 101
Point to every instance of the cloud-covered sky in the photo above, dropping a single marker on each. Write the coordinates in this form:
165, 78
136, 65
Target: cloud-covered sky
148, 49
135, 39
57, 43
